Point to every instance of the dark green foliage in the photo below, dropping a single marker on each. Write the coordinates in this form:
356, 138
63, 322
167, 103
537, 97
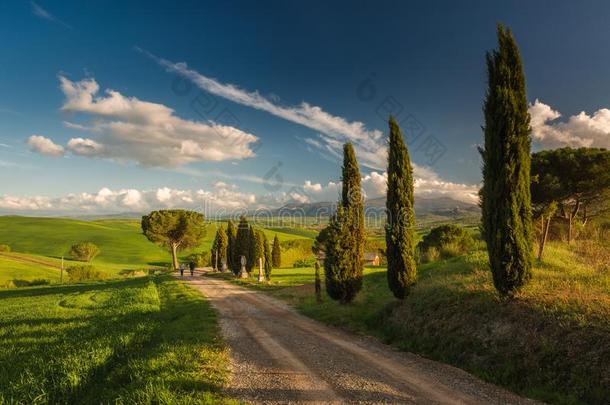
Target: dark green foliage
318, 283
577, 180
200, 259
309, 262
232, 261
84, 251
505, 196
219, 248
242, 244
267, 258
344, 247
175, 229
79, 273
254, 249
447, 240
400, 251
276, 252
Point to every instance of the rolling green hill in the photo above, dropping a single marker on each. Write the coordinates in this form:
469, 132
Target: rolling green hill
120, 241
38, 244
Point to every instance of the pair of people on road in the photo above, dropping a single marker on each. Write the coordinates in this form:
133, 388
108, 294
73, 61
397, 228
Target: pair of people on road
191, 268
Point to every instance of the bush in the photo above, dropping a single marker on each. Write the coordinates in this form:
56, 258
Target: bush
309, 262
444, 242
5, 248
84, 251
39, 281
80, 273
200, 259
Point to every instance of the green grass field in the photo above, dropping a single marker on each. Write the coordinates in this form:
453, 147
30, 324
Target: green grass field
15, 270
38, 244
144, 340
551, 343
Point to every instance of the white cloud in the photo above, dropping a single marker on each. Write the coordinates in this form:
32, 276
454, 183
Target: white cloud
336, 130
85, 147
581, 130
128, 129
220, 197
374, 185
333, 131
44, 146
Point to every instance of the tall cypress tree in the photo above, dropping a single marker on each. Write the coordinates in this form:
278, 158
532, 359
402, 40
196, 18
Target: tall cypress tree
276, 252
505, 196
400, 225
220, 246
242, 243
267, 259
253, 250
345, 244
232, 248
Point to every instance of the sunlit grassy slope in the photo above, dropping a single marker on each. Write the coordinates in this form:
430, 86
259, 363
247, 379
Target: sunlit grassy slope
121, 241
13, 267
144, 340
551, 342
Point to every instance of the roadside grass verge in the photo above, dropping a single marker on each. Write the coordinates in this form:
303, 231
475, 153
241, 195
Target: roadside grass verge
552, 342
143, 340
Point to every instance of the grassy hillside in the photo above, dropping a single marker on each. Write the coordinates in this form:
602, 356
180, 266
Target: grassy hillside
132, 341
17, 271
120, 241
552, 342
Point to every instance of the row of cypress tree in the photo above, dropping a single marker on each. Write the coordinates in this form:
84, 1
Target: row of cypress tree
246, 241
343, 240
505, 195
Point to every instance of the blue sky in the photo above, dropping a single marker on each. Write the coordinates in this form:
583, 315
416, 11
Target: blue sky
230, 126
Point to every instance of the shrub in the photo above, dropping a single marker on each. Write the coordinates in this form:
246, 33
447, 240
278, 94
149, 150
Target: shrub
84, 251
200, 259
80, 273
309, 262
39, 281
444, 241
5, 248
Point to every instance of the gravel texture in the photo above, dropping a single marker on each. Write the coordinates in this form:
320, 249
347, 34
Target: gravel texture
281, 357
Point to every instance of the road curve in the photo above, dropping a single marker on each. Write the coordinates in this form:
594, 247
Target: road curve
280, 357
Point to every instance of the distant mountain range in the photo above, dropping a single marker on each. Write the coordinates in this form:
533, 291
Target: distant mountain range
428, 210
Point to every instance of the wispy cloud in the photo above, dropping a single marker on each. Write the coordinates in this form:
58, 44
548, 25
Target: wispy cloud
332, 130
335, 130
45, 15
10, 112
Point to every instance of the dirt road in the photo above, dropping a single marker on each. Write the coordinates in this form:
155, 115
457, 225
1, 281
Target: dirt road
280, 356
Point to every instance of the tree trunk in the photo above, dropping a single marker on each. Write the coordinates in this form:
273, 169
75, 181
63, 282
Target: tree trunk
544, 234
175, 255
572, 215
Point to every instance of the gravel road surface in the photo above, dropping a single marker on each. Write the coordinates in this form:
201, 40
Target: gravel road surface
282, 357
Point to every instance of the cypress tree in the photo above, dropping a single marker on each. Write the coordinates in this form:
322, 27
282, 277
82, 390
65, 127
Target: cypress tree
400, 225
505, 196
254, 249
242, 243
345, 244
276, 252
220, 246
232, 248
267, 259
